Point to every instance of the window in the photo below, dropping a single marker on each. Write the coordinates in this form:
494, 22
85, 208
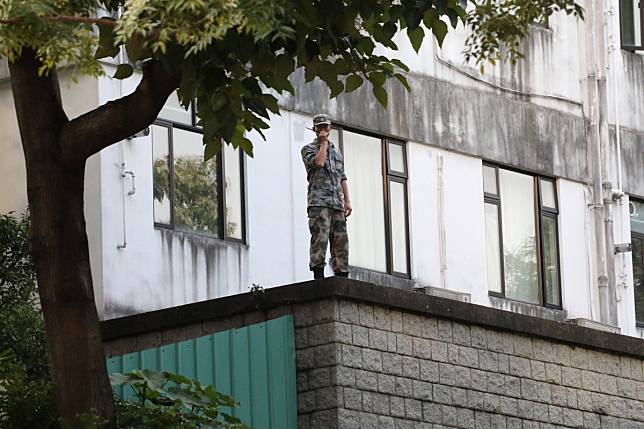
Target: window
631, 15
637, 240
522, 248
378, 229
190, 194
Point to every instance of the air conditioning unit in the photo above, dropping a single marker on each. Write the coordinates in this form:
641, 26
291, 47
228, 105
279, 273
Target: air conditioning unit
592, 324
444, 293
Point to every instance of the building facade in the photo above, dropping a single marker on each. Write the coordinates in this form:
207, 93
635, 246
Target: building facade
520, 188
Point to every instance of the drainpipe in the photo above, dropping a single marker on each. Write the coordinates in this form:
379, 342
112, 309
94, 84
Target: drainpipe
599, 159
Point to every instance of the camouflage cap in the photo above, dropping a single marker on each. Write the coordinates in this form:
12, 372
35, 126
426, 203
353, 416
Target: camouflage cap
321, 118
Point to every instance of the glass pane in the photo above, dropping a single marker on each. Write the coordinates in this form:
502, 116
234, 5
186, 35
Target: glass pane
519, 236
489, 180
195, 184
493, 251
161, 174
334, 137
398, 227
550, 260
548, 194
630, 22
637, 217
232, 169
638, 277
174, 111
366, 226
396, 157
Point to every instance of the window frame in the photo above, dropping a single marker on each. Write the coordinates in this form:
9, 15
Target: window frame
221, 189
540, 212
388, 176
640, 236
621, 27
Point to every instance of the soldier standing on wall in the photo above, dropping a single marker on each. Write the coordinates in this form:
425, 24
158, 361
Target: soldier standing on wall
328, 201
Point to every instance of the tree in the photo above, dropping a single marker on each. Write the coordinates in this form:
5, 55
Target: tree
228, 55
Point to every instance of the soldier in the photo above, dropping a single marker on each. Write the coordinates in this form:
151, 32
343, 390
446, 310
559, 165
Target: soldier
328, 201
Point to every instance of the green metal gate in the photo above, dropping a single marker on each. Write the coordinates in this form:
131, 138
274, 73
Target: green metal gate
255, 364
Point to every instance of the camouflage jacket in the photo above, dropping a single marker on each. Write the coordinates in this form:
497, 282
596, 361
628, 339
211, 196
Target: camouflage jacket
324, 182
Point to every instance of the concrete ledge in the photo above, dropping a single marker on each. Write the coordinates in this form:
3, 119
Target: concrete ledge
340, 288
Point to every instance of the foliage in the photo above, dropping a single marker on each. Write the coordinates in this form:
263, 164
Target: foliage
230, 54
166, 400
26, 396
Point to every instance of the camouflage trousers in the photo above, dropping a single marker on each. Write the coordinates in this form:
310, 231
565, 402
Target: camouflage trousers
328, 225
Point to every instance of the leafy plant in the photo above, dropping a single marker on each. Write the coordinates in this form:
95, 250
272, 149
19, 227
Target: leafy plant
166, 400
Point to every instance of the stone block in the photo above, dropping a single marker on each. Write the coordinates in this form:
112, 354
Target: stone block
540, 412
391, 342
584, 400
478, 337
403, 344
411, 324
560, 395
525, 409
508, 343
542, 350
378, 339
366, 380
349, 312
513, 423
543, 392
596, 361
449, 415
609, 422
446, 374
343, 333
387, 384
381, 403
348, 419
613, 365
422, 390
392, 363
452, 353
475, 400
498, 421
404, 387
372, 360
459, 396
432, 412
468, 356
327, 355
482, 420
513, 386
625, 365
367, 401
555, 415
429, 328
590, 380
538, 370
396, 320
306, 402
591, 421
601, 403
442, 394
302, 338
607, 384
421, 348
351, 356
504, 363
411, 367
413, 409
627, 388
479, 379
328, 397
462, 377
325, 311
345, 376
359, 336
352, 398
529, 389
397, 406
461, 334
520, 367
429, 371
324, 333
508, 405
579, 357
327, 419
302, 381
439, 351
302, 316
561, 354
573, 418
365, 312
304, 421
523, 346
488, 360
491, 402
495, 341
553, 373
381, 318
319, 377
385, 422
636, 369
305, 359
571, 377
465, 418
368, 420
445, 330
496, 383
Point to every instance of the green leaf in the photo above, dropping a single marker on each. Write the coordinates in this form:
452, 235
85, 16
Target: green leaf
353, 82
123, 71
211, 149
106, 42
336, 88
402, 80
377, 78
400, 64
416, 38
381, 95
440, 31
247, 146
134, 47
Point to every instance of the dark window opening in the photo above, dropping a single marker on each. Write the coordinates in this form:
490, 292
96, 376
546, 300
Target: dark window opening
631, 18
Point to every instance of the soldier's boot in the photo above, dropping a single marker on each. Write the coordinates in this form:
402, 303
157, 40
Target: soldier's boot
318, 273
342, 274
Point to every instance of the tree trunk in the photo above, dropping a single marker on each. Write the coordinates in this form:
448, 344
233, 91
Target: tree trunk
59, 248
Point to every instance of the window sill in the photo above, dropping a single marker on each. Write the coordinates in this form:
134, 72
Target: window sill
528, 309
381, 279
197, 236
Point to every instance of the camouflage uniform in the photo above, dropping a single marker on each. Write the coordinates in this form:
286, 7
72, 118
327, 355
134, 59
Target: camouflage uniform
326, 208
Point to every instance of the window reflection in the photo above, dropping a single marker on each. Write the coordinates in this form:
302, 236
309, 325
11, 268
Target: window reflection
398, 226
493, 250
232, 183
161, 174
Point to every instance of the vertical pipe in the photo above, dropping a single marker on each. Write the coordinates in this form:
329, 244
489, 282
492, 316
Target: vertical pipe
441, 223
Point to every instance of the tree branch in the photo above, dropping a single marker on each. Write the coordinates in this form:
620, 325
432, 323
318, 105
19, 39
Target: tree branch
119, 119
66, 18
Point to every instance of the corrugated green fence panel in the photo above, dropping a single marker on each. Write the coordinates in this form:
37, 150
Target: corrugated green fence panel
240, 358
254, 364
